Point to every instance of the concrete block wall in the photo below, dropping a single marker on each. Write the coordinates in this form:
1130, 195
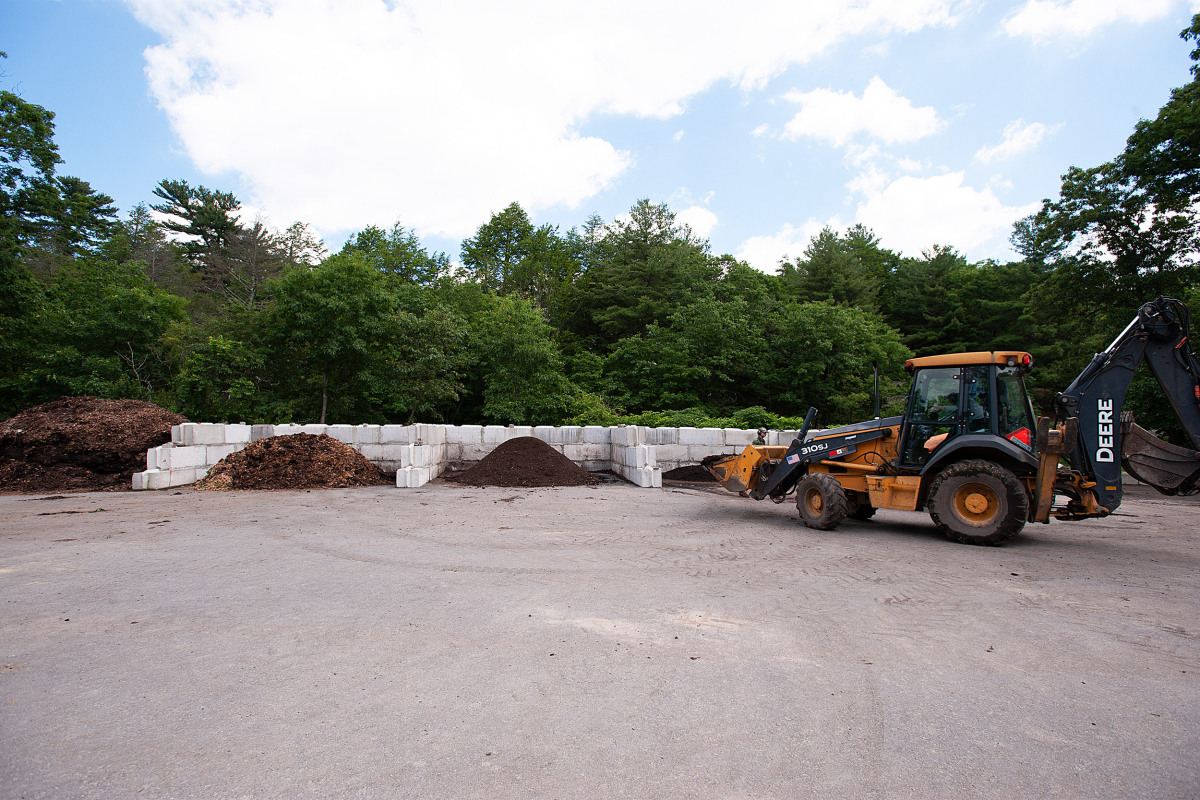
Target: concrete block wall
416, 453
419, 453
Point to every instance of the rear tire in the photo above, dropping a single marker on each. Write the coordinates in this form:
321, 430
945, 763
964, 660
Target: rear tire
821, 501
978, 502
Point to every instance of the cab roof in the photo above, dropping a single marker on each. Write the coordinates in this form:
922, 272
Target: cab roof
1011, 358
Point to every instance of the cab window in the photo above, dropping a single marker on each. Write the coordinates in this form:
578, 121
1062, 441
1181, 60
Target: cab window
1016, 412
932, 412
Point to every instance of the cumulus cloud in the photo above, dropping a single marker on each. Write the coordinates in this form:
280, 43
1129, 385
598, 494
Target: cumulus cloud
351, 112
1019, 137
765, 253
880, 113
699, 219
1045, 20
911, 214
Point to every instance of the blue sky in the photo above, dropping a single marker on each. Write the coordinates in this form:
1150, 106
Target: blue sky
930, 121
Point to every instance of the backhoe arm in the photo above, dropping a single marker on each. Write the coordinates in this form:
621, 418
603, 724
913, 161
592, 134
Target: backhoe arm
1158, 335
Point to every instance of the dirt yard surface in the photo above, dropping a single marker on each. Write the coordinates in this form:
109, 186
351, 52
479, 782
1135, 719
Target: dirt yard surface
600, 641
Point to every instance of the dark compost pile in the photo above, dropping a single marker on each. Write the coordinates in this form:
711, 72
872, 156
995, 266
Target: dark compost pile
297, 461
525, 461
80, 444
689, 473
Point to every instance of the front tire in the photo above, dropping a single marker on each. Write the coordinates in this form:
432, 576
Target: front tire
978, 502
821, 501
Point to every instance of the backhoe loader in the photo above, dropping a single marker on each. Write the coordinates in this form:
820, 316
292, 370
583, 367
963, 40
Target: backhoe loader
969, 449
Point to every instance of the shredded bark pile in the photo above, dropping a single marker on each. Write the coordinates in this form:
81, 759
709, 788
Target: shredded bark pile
525, 461
297, 461
80, 444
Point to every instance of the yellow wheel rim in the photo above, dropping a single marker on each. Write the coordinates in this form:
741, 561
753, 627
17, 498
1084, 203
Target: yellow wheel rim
814, 502
976, 503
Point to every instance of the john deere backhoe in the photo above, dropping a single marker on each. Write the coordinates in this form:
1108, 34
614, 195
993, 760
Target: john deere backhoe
968, 447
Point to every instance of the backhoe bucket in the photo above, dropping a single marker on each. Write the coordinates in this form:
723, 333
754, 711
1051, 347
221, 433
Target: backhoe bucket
1169, 468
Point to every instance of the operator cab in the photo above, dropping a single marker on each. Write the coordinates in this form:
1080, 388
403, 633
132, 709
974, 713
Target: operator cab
963, 394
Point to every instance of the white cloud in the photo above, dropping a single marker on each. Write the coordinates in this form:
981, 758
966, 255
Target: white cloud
1019, 137
1045, 20
344, 113
880, 113
764, 253
911, 214
699, 219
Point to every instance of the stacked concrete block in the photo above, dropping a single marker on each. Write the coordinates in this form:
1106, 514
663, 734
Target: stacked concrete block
194, 448
343, 433
419, 453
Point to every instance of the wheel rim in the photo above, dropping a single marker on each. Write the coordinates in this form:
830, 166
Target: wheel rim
814, 502
976, 503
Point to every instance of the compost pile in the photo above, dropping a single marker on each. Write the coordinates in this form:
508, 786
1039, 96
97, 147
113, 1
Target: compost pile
690, 473
297, 461
80, 444
525, 461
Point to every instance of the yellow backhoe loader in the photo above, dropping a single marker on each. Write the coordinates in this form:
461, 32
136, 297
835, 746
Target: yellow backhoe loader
969, 449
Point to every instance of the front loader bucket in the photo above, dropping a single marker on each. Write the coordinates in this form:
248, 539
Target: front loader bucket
740, 473
1169, 468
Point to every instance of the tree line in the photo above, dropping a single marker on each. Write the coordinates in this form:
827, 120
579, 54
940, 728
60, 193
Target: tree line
186, 303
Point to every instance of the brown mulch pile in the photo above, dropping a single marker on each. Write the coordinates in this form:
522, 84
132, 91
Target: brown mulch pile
691, 473
80, 444
297, 461
525, 461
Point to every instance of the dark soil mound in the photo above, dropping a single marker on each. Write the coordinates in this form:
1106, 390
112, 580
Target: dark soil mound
80, 444
297, 461
525, 461
691, 473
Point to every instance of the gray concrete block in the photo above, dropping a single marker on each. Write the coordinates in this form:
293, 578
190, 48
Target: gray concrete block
366, 434
413, 477
588, 452
237, 434
464, 434
261, 432
430, 434
495, 434
697, 452
207, 433
185, 458
628, 436
674, 454
566, 434
545, 433
182, 477
372, 452
474, 453
714, 437
176, 434
394, 452
520, 430
217, 452
343, 433
157, 479
596, 434
739, 437
395, 434
662, 436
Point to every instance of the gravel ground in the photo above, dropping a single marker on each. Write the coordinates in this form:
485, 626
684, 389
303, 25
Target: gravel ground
601, 641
